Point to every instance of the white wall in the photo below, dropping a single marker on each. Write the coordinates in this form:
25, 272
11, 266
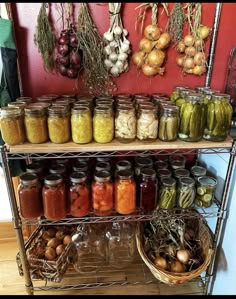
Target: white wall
5, 210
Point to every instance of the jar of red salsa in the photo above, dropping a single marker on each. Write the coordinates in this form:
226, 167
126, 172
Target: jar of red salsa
79, 194
54, 197
30, 197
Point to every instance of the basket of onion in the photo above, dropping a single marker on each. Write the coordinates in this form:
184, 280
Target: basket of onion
49, 251
175, 248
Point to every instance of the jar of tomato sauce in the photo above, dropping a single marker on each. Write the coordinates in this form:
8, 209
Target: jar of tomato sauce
79, 194
102, 193
54, 197
30, 197
125, 192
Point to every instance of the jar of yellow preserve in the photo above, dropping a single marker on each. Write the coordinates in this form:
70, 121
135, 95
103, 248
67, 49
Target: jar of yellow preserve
103, 124
81, 125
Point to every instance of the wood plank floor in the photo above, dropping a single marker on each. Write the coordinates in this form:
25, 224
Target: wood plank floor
11, 283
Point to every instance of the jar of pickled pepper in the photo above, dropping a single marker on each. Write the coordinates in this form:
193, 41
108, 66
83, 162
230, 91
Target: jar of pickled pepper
103, 124
30, 196
167, 193
79, 195
102, 193
125, 192
81, 125
54, 197
148, 190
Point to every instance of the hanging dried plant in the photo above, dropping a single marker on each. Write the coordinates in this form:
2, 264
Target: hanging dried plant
176, 22
97, 77
44, 39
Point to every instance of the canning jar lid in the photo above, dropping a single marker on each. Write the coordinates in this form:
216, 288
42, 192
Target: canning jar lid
35, 110
34, 167
103, 109
125, 174
159, 164
11, 111
171, 109
162, 173
148, 173
181, 87
24, 99
207, 181
77, 109
198, 170
168, 182
186, 182
53, 179
102, 176
181, 172
123, 164
29, 178
80, 166
103, 165
220, 96
78, 177
57, 168
210, 91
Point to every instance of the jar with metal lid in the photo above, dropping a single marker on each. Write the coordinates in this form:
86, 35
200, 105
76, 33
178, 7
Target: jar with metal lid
207, 94
30, 196
12, 125
206, 187
54, 197
197, 171
142, 162
125, 192
192, 118
65, 103
43, 99
186, 192
141, 95
81, 125
181, 172
59, 124
105, 104
81, 103
123, 96
164, 157
24, 99
168, 123
125, 124
123, 165
65, 161
219, 117
139, 101
148, 190
20, 105
102, 193
201, 88
167, 193
160, 165
80, 166
177, 164
79, 195
163, 173
176, 92
69, 96
183, 97
36, 127
58, 168
177, 157
103, 166
103, 125
37, 168
147, 124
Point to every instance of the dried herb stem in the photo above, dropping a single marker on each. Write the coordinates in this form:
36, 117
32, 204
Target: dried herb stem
176, 22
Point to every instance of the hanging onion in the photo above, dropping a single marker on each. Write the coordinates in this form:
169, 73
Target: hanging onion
190, 51
203, 31
146, 45
149, 70
188, 40
138, 58
156, 58
152, 32
180, 47
188, 63
180, 60
163, 41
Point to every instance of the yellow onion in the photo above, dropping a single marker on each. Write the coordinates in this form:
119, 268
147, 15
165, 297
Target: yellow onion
156, 58
177, 267
188, 71
152, 32
180, 47
203, 31
189, 40
199, 58
149, 70
199, 70
190, 51
138, 58
146, 45
180, 60
199, 44
188, 63
163, 41
160, 262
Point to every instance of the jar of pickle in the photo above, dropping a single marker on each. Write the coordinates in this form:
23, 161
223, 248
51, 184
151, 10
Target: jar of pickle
81, 125
186, 192
181, 172
147, 124
79, 195
201, 89
219, 117
54, 197
206, 187
102, 194
125, 124
207, 94
192, 118
59, 124
175, 95
125, 192
30, 196
12, 125
168, 123
197, 171
148, 190
167, 193
183, 97
36, 127
103, 124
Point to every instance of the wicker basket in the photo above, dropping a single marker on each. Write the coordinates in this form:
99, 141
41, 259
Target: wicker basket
50, 270
172, 278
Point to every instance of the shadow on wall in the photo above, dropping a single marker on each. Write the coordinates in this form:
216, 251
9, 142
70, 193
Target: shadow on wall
221, 260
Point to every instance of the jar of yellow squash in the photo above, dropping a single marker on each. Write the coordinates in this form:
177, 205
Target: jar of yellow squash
59, 124
81, 125
103, 124
12, 125
35, 121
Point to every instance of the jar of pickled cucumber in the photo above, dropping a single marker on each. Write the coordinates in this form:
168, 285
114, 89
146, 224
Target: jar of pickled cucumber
186, 192
192, 118
206, 187
219, 116
12, 125
167, 193
81, 125
59, 124
103, 124
201, 88
197, 171
207, 94
168, 123
183, 97
125, 124
36, 127
176, 92
147, 124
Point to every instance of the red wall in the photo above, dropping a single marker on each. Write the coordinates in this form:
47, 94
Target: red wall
36, 81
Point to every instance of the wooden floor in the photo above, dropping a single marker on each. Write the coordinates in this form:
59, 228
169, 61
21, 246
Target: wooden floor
11, 283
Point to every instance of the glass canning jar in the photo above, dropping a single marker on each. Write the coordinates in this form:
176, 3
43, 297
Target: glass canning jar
147, 124
181, 172
79, 195
24, 99
125, 192
125, 124
163, 173
123, 165
103, 125
168, 123
54, 197
37, 168
160, 165
103, 165
175, 95
167, 193
30, 196
148, 190
206, 186
186, 192
36, 127
20, 105
176, 164
142, 162
59, 124
81, 125
197, 171
102, 194
12, 125
207, 94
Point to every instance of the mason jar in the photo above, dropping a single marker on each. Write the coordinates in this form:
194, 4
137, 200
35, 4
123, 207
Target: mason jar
147, 124
24, 99
103, 124
81, 125
167, 193
142, 162
168, 123
163, 173
123, 165
175, 94
186, 192
206, 187
181, 172
125, 124
37, 168
197, 171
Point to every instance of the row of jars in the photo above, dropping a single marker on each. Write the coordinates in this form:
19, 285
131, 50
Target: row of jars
130, 189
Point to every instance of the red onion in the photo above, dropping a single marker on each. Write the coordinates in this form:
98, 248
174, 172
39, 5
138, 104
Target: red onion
72, 72
65, 60
75, 58
73, 40
63, 49
62, 70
